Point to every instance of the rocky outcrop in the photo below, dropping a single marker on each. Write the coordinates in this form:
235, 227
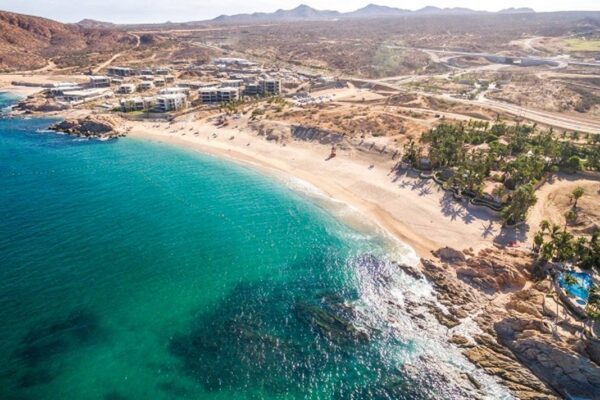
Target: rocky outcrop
592, 348
551, 359
449, 255
522, 344
497, 360
491, 270
90, 127
38, 103
494, 271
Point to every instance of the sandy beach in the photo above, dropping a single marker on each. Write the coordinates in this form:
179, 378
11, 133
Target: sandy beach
415, 211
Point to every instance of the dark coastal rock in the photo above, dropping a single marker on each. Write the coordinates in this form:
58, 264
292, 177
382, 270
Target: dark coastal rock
499, 361
333, 319
410, 271
91, 126
592, 348
551, 359
46, 341
450, 255
448, 320
450, 291
38, 103
462, 298
263, 337
460, 341
494, 271
41, 349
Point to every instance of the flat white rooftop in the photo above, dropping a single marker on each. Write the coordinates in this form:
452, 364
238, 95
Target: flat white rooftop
86, 92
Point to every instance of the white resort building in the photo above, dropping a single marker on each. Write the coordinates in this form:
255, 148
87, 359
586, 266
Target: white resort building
85, 95
176, 90
127, 88
219, 95
235, 83
269, 86
171, 102
145, 85
120, 71
137, 104
162, 71
99, 81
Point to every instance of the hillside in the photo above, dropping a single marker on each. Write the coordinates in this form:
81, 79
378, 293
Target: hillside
94, 24
27, 42
306, 13
302, 12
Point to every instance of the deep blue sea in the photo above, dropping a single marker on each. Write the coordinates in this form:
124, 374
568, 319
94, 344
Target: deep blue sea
135, 270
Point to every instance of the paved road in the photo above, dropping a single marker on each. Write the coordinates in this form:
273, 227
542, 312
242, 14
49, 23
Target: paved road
568, 122
561, 62
557, 120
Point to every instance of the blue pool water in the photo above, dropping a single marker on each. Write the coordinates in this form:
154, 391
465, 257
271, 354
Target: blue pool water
581, 289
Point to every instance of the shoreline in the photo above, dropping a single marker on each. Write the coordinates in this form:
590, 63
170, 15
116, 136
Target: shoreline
409, 211
285, 176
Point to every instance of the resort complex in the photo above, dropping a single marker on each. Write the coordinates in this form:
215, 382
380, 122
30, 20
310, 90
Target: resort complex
302, 204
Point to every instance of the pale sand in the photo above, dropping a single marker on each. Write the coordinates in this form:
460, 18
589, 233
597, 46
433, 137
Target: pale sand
413, 210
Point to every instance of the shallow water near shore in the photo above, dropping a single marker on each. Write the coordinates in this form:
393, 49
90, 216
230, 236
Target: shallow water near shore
131, 269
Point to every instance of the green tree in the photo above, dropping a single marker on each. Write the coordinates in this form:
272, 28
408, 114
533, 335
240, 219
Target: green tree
593, 304
570, 217
545, 226
564, 246
522, 200
574, 164
538, 241
576, 194
570, 279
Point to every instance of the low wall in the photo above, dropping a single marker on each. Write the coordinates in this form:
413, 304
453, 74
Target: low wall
311, 134
474, 202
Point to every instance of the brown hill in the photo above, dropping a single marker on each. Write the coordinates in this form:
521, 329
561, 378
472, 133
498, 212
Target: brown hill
27, 42
94, 24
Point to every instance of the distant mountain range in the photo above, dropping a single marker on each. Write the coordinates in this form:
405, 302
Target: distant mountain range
307, 13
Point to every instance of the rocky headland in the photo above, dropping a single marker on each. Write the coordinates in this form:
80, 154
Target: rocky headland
526, 339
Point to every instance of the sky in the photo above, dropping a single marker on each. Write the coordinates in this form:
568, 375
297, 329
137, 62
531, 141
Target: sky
136, 11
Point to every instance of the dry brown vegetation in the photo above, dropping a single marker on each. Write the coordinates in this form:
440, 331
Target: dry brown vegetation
558, 94
361, 47
27, 43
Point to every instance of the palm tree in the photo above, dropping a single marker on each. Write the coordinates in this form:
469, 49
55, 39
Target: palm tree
538, 241
570, 217
523, 198
545, 226
570, 279
593, 305
577, 193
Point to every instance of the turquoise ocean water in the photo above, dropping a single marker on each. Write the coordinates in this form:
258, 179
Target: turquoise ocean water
134, 270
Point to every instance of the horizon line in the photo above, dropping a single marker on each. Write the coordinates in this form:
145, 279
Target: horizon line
211, 18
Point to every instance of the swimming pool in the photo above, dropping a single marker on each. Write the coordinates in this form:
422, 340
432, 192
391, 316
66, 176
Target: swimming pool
581, 289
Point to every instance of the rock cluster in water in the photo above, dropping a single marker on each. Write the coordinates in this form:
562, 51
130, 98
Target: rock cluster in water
47, 341
38, 103
90, 127
290, 339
